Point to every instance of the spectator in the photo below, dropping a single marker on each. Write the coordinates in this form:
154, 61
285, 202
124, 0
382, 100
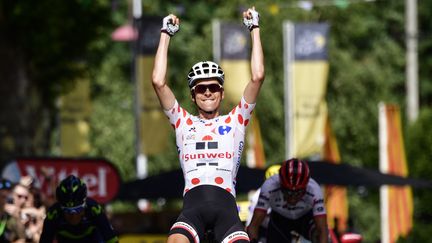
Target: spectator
20, 195
13, 230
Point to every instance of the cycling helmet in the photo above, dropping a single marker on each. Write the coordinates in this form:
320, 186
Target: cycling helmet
294, 175
206, 69
71, 192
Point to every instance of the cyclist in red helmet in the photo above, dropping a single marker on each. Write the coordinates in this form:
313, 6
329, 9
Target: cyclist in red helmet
296, 204
209, 144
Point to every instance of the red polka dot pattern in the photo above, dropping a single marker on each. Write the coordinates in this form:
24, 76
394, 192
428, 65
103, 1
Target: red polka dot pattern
219, 180
240, 119
189, 121
233, 111
195, 181
207, 138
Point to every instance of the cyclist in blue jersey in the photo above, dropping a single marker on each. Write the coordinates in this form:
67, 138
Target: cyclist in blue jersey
75, 217
209, 144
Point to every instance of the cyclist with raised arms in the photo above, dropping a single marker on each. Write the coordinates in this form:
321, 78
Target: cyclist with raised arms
296, 204
75, 217
209, 144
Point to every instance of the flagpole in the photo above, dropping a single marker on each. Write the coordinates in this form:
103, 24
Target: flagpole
141, 158
383, 165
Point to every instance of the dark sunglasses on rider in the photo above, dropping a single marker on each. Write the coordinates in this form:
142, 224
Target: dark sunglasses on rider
293, 193
74, 210
202, 88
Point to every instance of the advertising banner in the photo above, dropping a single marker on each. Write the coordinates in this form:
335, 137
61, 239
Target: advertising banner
153, 125
231, 48
306, 70
101, 177
396, 202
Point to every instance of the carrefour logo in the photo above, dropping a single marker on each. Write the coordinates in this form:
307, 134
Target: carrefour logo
223, 130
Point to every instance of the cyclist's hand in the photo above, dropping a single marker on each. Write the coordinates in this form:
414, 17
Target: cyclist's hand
170, 25
251, 18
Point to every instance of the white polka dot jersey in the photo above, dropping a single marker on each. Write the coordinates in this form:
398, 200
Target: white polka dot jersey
210, 150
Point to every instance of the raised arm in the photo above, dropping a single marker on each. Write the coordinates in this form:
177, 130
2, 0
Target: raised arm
251, 21
166, 97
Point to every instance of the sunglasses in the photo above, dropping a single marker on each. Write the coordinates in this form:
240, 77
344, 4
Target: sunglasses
74, 210
202, 88
293, 193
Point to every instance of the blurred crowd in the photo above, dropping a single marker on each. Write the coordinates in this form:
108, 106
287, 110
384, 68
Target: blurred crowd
22, 210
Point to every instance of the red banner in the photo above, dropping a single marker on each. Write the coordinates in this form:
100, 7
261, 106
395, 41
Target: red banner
102, 178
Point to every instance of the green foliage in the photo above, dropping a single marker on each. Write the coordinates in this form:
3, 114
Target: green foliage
112, 120
367, 66
55, 34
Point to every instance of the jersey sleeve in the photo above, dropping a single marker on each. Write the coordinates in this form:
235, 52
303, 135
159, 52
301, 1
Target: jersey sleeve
104, 226
264, 196
318, 201
243, 113
176, 115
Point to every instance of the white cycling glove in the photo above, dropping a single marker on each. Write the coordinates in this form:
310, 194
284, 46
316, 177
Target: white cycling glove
252, 22
168, 26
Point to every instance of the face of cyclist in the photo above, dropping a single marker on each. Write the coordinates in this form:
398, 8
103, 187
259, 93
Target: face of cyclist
73, 218
292, 197
208, 94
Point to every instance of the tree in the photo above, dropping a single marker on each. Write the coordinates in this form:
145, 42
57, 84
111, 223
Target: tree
40, 45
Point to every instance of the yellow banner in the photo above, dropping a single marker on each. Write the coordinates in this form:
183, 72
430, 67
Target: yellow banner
75, 109
154, 127
335, 196
237, 75
399, 201
309, 108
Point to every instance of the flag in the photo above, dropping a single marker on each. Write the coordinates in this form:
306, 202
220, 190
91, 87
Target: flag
153, 126
75, 109
306, 72
234, 56
231, 48
335, 196
396, 202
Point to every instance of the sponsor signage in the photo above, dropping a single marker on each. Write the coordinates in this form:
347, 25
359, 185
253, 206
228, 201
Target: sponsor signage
101, 177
